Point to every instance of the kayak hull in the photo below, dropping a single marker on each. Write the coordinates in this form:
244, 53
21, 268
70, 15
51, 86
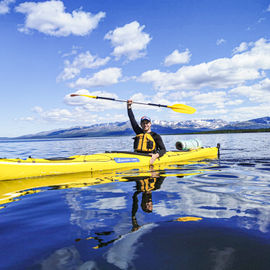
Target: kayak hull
18, 168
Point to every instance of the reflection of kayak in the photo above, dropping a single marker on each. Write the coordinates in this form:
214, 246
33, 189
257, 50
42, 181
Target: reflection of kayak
12, 190
31, 167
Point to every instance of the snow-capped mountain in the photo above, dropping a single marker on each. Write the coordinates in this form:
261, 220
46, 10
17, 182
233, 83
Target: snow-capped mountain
161, 127
193, 124
257, 123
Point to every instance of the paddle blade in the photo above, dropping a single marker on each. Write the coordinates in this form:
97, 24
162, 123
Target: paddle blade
181, 108
78, 95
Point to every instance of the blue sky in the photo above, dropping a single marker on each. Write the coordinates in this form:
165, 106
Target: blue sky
212, 55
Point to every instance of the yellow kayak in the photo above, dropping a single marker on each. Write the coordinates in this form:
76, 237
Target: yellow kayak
101, 162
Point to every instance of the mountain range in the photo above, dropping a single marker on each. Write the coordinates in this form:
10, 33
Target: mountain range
161, 127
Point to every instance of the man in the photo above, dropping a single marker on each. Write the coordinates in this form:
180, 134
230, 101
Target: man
146, 141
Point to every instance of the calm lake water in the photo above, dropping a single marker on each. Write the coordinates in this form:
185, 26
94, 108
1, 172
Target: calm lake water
211, 214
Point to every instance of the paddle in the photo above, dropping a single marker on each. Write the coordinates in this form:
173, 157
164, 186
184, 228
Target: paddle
180, 108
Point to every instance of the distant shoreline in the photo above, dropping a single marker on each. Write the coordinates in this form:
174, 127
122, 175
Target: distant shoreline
177, 133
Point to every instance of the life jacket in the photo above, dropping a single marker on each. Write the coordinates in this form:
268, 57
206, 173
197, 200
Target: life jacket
147, 184
144, 142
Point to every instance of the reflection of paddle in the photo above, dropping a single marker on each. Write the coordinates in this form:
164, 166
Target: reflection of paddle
185, 219
180, 108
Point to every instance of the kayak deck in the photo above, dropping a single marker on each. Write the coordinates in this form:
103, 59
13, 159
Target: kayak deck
31, 167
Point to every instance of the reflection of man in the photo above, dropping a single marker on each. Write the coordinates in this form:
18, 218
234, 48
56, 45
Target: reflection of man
144, 185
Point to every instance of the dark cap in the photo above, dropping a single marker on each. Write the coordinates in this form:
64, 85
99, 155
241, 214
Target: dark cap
146, 118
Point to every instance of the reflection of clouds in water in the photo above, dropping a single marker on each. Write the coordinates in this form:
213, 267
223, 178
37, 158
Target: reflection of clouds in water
64, 258
67, 258
191, 201
115, 203
123, 251
92, 209
264, 220
110, 188
91, 219
91, 265
216, 198
223, 259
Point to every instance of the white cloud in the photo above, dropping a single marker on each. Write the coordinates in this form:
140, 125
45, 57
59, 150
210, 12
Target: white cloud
56, 115
178, 95
177, 58
259, 93
247, 112
69, 72
212, 113
82, 61
236, 102
4, 6
129, 41
241, 48
104, 77
86, 60
220, 74
50, 18
260, 20
28, 119
73, 51
220, 41
83, 113
37, 109
268, 9
218, 98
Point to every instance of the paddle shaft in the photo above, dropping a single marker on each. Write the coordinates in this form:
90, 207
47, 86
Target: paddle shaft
134, 102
